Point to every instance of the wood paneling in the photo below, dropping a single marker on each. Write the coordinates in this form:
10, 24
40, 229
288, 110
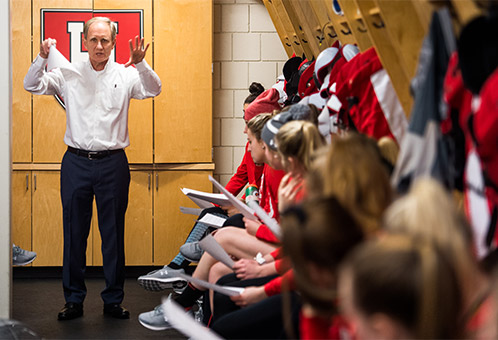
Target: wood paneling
140, 112
340, 24
387, 53
282, 34
465, 11
287, 13
326, 28
308, 22
276, 8
183, 53
21, 99
356, 24
47, 218
407, 42
49, 118
21, 209
171, 227
138, 224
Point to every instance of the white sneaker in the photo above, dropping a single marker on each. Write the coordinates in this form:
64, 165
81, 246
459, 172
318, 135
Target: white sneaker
161, 279
155, 319
21, 257
192, 251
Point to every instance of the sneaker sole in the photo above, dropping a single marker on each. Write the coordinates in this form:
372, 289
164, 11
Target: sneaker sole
153, 328
24, 263
157, 286
191, 259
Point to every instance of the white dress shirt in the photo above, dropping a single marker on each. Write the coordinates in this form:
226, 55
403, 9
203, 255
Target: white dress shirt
97, 102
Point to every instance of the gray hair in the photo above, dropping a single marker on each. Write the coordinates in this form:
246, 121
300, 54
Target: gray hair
100, 19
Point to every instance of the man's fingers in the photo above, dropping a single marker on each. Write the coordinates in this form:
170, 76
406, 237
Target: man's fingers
146, 47
131, 46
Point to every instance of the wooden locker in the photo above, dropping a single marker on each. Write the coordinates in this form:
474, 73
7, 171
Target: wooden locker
171, 227
183, 35
21, 99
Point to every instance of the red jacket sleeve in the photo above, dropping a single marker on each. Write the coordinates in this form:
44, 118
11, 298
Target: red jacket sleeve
274, 287
314, 327
240, 178
264, 233
283, 265
277, 253
318, 327
247, 173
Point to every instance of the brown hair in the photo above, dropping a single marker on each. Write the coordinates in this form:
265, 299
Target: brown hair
257, 123
321, 232
429, 212
411, 281
255, 89
355, 175
298, 139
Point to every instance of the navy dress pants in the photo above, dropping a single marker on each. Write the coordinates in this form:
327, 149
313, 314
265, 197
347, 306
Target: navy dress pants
108, 180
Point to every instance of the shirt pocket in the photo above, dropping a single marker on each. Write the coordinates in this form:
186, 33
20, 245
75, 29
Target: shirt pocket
115, 97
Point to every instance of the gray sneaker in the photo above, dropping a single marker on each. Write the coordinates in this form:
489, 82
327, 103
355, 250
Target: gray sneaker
192, 251
161, 279
155, 319
21, 257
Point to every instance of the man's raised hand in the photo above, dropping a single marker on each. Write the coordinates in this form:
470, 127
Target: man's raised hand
45, 47
137, 52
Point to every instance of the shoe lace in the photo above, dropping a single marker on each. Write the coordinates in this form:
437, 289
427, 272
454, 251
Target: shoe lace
158, 310
18, 250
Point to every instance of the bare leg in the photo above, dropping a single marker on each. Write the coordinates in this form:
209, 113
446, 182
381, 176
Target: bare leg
236, 242
216, 272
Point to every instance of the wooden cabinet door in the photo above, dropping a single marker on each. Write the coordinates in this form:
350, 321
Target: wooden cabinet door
21, 60
171, 227
21, 209
138, 224
183, 34
49, 118
47, 218
140, 112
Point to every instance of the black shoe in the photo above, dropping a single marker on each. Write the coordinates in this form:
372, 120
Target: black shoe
71, 310
116, 311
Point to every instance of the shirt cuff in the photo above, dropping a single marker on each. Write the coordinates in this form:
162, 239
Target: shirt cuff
142, 66
40, 61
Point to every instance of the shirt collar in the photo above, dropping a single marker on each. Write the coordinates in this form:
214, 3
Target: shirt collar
109, 61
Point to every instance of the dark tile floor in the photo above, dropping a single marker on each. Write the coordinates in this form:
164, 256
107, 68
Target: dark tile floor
36, 303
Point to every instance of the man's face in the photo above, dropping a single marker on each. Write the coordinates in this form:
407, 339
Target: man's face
99, 43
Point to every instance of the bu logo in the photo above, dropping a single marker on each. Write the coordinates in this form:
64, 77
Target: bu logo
66, 26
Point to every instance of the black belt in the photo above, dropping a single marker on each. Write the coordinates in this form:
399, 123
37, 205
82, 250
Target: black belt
93, 154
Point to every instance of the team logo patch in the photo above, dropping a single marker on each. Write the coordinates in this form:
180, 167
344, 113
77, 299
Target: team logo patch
66, 26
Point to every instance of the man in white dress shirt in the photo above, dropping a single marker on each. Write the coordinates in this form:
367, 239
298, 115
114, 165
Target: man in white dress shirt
95, 164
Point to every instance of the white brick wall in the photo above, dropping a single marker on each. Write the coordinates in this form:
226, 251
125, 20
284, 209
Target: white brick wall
246, 49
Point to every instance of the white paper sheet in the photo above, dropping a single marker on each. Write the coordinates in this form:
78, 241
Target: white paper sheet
219, 199
214, 249
226, 290
57, 60
212, 220
244, 209
191, 211
185, 324
267, 220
